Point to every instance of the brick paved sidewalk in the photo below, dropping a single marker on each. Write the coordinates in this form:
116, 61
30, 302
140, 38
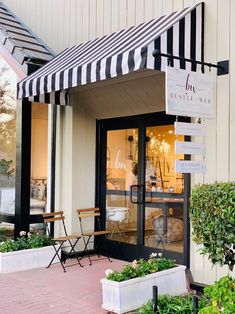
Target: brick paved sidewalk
51, 291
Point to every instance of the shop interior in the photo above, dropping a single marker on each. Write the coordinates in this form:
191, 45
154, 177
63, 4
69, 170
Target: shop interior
163, 188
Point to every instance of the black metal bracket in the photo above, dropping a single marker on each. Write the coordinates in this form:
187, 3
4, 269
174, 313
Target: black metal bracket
222, 66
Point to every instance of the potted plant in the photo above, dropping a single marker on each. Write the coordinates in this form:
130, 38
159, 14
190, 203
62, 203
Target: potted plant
128, 289
212, 212
26, 252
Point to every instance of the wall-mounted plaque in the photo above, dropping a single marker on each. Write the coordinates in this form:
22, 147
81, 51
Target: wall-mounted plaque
189, 93
191, 129
189, 166
190, 148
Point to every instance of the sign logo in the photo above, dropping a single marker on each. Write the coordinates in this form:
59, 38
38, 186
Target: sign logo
189, 93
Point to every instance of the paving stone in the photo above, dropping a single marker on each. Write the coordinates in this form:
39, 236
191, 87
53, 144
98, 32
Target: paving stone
51, 291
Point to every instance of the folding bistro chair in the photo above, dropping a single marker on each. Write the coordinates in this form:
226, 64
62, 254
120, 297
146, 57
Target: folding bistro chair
50, 218
84, 214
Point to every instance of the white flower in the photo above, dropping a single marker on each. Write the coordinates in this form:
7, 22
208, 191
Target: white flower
29, 234
108, 272
153, 255
22, 233
160, 254
134, 264
222, 309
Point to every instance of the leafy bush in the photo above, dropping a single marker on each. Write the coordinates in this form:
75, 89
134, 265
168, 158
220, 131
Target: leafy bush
141, 268
213, 219
172, 305
25, 241
221, 296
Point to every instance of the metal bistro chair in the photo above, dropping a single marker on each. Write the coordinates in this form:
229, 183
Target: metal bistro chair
84, 214
50, 218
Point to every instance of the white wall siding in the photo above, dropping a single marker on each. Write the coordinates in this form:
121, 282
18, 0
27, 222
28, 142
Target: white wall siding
75, 164
63, 23
232, 92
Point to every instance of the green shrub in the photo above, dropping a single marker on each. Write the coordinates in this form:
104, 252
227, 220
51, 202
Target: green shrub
25, 241
221, 296
213, 220
141, 268
172, 305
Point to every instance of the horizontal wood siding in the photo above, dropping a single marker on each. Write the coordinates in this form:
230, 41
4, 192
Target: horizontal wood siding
61, 23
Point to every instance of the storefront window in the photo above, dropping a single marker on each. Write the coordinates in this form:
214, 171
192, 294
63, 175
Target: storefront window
8, 80
39, 151
39, 162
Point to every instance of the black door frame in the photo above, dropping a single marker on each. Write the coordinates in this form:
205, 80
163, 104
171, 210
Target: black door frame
119, 249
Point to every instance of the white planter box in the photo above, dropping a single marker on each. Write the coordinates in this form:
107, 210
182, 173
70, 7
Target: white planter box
121, 297
26, 259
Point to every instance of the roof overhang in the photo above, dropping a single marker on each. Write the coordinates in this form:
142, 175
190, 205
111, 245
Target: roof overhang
19, 46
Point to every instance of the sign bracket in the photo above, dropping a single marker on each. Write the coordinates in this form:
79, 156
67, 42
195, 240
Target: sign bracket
222, 66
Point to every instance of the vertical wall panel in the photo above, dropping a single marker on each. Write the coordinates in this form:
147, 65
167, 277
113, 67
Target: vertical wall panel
32, 9
38, 6
59, 23
79, 20
73, 22
232, 91
148, 10
139, 11
223, 109
85, 20
66, 25
107, 16
131, 12
123, 14
114, 15
92, 19
201, 268
83, 163
188, 3
45, 24
21, 7
158, 8
101, 15
66, 141
52, 40
223, 93
210, 44
178, 5
167, 6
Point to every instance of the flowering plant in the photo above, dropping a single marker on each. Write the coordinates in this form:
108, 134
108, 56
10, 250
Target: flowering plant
25, 241
141, 267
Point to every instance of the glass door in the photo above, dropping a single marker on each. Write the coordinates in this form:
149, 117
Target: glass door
164, 198
142, 196
122, 189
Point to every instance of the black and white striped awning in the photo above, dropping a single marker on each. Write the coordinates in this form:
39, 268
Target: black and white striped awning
120, 53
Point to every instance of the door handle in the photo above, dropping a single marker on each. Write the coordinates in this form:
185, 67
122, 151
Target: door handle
139, 188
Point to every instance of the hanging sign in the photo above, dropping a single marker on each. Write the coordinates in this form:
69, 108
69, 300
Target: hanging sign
189, 166
190, 148
191, 129
189, 93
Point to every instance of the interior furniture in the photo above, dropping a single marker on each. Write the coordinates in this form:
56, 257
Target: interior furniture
177, 214
117, 215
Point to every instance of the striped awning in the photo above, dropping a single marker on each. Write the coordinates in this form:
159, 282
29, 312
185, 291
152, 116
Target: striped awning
179, 33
